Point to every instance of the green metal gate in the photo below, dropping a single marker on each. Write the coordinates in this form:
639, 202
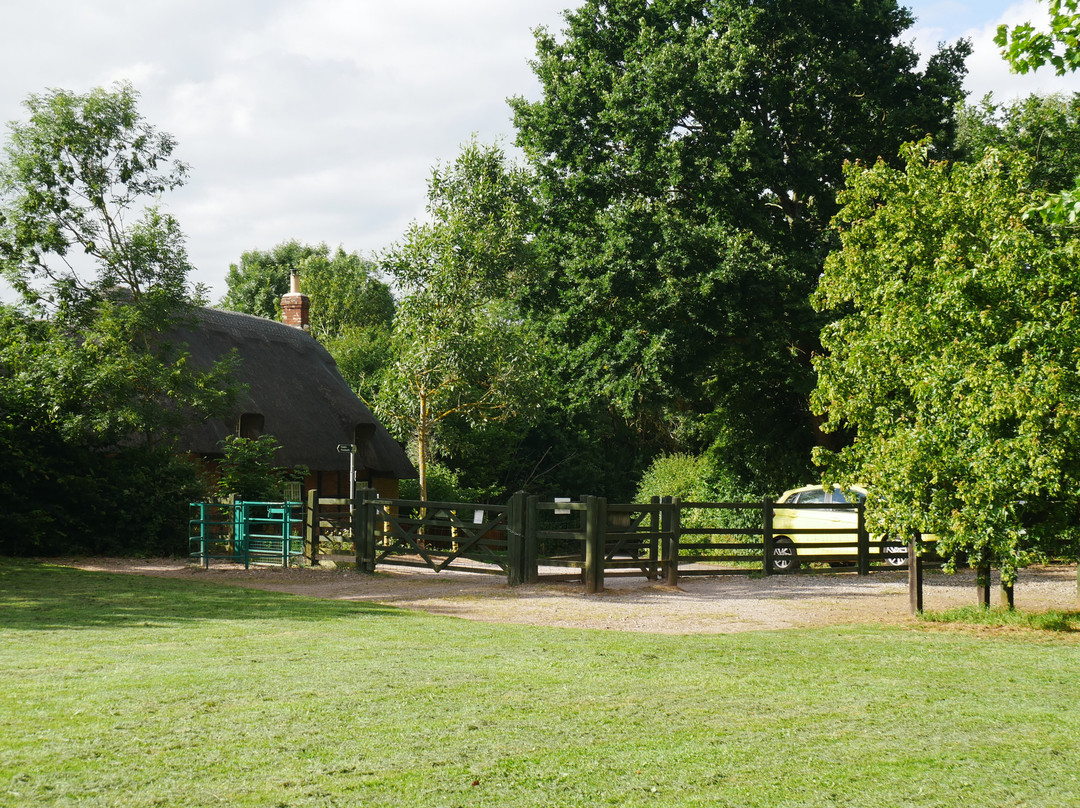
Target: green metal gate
246, 532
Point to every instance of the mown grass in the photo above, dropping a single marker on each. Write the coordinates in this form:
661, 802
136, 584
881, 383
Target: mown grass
129, 691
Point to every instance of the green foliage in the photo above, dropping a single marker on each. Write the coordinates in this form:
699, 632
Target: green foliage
1026, 48
461, 352
74, 173
687, 155
676, 475
345, 291
91, 393
1045, 128
953, 361
248, 470
1011, 618
362, 355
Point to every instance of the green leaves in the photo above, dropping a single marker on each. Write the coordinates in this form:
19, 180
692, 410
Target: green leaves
462, 353
688, 154
1027, 49
954, 360
75, 172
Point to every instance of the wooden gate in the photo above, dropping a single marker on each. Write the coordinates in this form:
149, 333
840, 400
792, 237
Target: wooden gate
468, 537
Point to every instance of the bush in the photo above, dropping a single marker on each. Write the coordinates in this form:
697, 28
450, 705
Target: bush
695, 478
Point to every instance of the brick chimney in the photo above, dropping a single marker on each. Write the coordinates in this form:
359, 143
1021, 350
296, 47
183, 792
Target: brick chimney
294, 305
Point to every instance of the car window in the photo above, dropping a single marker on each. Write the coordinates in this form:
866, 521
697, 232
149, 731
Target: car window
817, 495
855, 496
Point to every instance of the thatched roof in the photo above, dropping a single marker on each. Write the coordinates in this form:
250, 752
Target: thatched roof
295, 385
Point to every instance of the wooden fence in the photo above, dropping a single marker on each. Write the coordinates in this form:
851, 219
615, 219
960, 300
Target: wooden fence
529, 539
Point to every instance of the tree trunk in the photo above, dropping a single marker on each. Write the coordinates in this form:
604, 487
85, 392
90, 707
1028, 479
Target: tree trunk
423, 443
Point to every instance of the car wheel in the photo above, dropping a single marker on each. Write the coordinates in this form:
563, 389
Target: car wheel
785, 559
897, 554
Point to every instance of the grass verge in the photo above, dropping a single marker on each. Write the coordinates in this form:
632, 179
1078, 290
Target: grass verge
999, 617
129, 691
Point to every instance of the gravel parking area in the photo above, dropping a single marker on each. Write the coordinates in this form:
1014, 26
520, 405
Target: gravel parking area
698, 605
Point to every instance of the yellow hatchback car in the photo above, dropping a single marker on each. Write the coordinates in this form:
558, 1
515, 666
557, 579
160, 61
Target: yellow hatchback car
791, 545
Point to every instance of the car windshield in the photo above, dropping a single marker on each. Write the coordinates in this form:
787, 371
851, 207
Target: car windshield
839, 496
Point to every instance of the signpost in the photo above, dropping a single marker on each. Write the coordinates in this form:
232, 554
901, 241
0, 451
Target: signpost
350, 450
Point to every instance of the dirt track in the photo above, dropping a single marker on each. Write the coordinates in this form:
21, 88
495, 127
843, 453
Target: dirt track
699, 605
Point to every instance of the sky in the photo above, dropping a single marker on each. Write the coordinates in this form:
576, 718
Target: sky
321, 120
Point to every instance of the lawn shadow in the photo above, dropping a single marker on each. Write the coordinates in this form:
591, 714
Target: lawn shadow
37, 595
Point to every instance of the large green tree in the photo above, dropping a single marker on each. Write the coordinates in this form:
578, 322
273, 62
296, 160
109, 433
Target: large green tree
90, 394
954, 359
688, 153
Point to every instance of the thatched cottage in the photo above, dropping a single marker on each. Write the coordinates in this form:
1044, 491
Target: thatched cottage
295, 393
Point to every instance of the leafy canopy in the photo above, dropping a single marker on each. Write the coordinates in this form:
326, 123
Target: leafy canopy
74, 176
91, 394
345, 290
687, 155
954, 358
462, 353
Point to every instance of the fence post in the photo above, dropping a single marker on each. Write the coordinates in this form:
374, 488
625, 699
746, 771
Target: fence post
654, 544
982, 583
531, 544
595, 539
515, 540
915, 576
863, 540
767, 537
311, 527
363, 529
673, 528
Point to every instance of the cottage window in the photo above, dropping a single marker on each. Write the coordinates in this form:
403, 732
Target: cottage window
250, 425
362, 435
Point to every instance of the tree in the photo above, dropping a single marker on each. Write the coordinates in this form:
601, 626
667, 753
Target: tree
91, 394
462, 352
1045, 128
344, 288
688, 153
953, 360
74, 173
1026, 48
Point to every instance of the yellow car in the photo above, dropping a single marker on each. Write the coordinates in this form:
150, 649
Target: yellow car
791, 545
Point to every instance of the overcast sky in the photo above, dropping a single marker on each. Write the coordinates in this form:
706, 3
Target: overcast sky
320, 120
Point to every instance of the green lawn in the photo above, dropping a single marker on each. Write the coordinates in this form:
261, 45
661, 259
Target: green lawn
129, 691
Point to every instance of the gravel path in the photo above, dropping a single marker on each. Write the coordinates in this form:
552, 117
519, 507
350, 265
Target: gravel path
698, 605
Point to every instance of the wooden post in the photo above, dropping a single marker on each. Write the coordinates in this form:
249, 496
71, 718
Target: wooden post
515, 540
363, 528
595, 539
915, 577
673, 529
982, 583
311, 527
863, 538
767, 537
531, 549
